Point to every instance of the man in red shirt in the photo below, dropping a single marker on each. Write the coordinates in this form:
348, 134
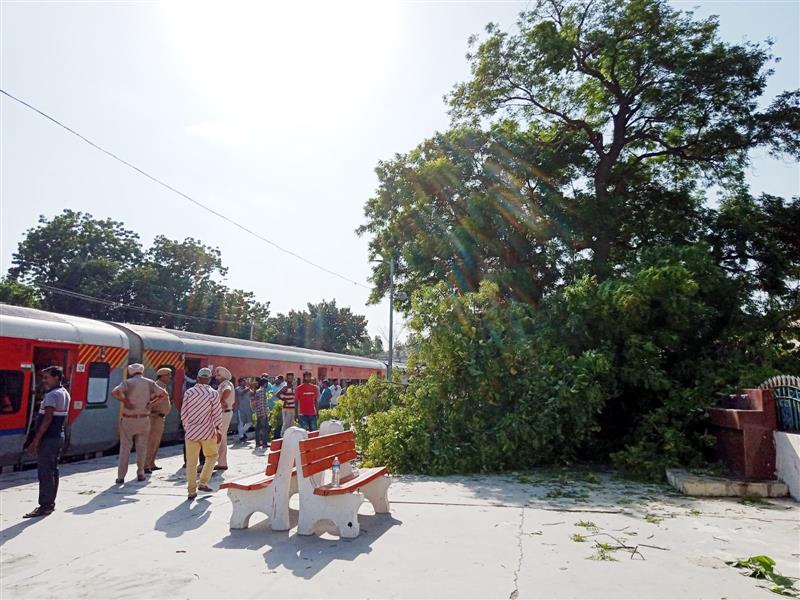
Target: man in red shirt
306, 395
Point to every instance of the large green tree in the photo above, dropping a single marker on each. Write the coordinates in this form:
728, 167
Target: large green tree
75, 252
606, 120
560, 243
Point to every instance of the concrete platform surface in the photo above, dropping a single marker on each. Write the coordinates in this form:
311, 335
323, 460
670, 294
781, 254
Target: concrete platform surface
525, 535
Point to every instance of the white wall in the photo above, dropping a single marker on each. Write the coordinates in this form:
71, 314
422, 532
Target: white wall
787, 448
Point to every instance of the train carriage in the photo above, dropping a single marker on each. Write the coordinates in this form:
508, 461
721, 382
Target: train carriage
186, 353
95, 354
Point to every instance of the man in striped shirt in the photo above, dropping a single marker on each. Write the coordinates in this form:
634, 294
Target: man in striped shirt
201, 415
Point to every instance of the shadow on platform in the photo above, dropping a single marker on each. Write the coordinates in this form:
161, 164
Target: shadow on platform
9, 533
186, 516
305, 556
116, 495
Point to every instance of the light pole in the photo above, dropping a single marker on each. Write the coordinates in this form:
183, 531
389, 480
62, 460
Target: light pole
391, 320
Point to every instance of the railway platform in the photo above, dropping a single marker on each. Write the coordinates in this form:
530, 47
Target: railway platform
548, 534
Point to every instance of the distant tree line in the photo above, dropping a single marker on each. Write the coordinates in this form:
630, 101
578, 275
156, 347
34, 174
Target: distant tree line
182, 280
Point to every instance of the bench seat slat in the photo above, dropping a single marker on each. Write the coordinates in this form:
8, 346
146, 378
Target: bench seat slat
353, 483
256, 481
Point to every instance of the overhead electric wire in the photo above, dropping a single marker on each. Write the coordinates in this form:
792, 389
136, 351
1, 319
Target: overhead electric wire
180, 193
115, 304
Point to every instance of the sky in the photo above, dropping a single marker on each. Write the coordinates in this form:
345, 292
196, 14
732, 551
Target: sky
274, 114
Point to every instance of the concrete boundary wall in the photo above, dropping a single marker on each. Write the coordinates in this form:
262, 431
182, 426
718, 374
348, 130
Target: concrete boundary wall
787, 449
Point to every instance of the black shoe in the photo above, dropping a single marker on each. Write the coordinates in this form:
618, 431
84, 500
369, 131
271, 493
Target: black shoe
120, 480
204, 488
155, 468
148, 471
220, 468
191, 497
39, 511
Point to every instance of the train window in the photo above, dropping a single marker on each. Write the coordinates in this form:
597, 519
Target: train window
10, 392
97, 392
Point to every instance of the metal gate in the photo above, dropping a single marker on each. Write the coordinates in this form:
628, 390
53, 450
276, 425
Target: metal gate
786, 389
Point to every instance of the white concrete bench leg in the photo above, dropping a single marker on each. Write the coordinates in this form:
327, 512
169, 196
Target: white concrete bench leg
342, 510
377, 493
246, 503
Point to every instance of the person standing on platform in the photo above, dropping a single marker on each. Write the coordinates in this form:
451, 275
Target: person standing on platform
263, 402
201, 415
136, 394
244, 412
158, 415
326, 395
49, 438
286, 396
227, 400
306, 395
336, 391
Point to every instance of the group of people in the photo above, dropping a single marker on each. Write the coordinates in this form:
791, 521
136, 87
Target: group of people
206, 413
256, 400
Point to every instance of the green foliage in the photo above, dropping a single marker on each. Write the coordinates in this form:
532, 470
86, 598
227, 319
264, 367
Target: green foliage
574, 294
325, 326
763, 567
329, 414
276, 417
101, 258
19, 294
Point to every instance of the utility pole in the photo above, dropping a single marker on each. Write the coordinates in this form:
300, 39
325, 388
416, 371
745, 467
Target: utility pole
391, 319
252, 328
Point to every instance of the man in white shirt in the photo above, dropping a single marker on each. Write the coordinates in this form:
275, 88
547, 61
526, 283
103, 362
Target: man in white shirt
336, 391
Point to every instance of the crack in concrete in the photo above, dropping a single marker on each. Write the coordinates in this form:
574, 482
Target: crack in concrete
515, 592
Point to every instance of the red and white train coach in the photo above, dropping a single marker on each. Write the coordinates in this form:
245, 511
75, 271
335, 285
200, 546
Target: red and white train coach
94, 355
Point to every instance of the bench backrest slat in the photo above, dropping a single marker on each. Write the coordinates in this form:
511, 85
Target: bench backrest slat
274, 453
325, 463
333, 450
317, 454
321, 441
273, 456
278, 444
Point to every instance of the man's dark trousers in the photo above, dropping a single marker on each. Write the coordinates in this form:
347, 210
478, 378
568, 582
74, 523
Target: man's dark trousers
47, 465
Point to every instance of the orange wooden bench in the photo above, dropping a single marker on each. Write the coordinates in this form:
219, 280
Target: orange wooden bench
322, 500
255, 493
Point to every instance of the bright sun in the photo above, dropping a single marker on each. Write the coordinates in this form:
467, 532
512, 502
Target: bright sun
256, 59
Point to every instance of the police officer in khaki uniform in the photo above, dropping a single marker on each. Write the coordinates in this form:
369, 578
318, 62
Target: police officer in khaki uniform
158, 414
227, 398
136, 394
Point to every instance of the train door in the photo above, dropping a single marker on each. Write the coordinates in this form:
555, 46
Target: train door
322, 374
51, 356
15, 399
191, 365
